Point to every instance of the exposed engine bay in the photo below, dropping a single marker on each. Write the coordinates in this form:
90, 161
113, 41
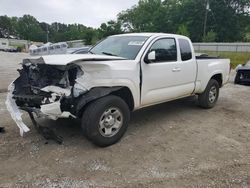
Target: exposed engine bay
47, 89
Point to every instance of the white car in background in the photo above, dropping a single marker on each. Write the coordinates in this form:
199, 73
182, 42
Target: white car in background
48, 49
80, 50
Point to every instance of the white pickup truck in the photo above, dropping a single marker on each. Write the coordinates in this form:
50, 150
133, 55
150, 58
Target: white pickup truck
120, 74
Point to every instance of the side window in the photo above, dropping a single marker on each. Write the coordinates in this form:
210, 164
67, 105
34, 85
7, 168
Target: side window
186, 52
165, 50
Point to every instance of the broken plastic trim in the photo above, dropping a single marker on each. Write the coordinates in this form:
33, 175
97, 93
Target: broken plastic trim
53, 111
17, 115
14, 111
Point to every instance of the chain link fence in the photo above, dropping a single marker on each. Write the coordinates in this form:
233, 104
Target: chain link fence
222, 47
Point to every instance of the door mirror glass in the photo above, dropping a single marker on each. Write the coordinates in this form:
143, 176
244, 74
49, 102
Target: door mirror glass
151, 56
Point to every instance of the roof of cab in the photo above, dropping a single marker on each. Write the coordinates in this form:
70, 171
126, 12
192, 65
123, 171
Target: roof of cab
151, 35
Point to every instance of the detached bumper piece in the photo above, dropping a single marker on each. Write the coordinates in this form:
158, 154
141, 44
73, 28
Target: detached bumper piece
15, 112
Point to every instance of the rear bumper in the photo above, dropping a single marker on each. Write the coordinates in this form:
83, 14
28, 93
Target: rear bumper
14, 111
244, 81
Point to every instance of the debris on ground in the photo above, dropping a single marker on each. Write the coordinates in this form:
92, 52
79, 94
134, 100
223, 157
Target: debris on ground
47, 133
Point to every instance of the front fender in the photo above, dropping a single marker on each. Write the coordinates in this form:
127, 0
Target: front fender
91, 95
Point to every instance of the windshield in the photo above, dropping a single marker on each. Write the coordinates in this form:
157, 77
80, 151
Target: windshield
123, 46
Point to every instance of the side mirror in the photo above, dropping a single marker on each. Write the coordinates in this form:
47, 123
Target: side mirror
151, 56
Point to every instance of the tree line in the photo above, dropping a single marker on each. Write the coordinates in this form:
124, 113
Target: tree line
226, 21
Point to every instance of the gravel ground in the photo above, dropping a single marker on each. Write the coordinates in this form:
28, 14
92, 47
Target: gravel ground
9, 63
175, 144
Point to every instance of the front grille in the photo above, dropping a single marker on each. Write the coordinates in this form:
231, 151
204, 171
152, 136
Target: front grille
28, 100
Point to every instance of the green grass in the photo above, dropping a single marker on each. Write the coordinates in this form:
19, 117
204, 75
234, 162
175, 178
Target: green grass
235, 57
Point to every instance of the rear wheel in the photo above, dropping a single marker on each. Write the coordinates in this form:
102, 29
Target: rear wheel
210, 96
105, 120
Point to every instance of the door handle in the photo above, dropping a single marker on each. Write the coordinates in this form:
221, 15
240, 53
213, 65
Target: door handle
176, 69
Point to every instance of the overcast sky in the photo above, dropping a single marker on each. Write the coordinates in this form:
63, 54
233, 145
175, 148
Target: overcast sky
88, 12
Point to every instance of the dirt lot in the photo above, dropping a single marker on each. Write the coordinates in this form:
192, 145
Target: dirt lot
176, 144
9, 62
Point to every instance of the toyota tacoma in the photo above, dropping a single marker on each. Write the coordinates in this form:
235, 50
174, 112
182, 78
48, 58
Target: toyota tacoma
121, 74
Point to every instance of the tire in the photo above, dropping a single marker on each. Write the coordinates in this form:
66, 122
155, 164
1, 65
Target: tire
106, 120
210, 96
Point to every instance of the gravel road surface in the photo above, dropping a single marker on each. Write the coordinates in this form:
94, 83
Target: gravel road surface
175, 144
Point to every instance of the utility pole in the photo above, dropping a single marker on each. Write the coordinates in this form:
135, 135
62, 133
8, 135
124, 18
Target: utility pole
205, 20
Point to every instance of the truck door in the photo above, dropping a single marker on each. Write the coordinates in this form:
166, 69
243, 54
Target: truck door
167, 72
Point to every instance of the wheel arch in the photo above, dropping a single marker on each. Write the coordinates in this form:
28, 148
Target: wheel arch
202, 83
95, 93
126, 95
218, 77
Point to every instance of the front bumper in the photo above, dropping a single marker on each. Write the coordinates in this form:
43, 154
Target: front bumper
14, 111
50, 111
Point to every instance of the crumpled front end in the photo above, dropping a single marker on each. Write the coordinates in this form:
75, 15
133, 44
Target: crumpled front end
44, 90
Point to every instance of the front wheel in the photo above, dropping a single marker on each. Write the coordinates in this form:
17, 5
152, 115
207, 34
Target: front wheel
105, 120
210, 96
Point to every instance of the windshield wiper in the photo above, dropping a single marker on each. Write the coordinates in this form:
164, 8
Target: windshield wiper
91, 52
107, 53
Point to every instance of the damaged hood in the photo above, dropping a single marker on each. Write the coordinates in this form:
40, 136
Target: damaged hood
71, 58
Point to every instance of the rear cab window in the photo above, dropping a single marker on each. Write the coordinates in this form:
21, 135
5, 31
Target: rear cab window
185, 49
